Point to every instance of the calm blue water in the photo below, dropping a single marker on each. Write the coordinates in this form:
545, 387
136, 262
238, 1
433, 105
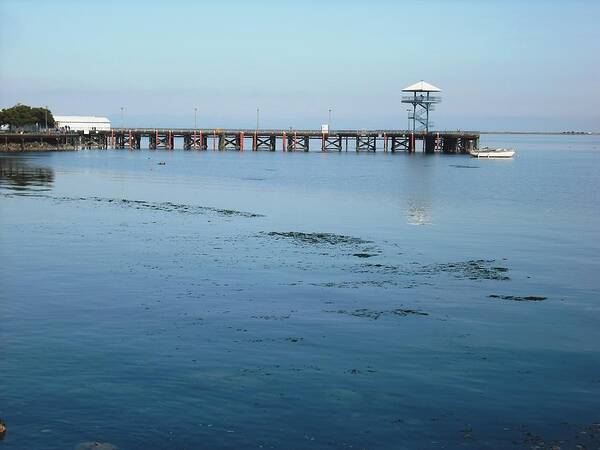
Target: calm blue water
168, 306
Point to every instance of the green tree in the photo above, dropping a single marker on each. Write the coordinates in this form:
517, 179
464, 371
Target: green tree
22, 115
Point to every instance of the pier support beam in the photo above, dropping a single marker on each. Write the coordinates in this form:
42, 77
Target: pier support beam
399, 143
331, 143
366, 143
229, 142
158, 140
450, 144
412, 141
195, 141
119, 140
94, 140
128, 140
297, 142
263, 142
471, 144
431, 143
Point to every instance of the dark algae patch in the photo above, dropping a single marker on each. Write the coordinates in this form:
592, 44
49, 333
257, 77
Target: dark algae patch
152, 206
272, 317
376, 314
357, 284
572, 437
515, 298
480, 269
473, 270
96, 446
415, 274
317, 238
170, 207
364, 255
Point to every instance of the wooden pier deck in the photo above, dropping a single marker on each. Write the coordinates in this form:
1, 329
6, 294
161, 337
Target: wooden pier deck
250, 139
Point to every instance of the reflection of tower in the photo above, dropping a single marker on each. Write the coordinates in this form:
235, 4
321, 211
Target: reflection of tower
419, 178
422, 102
418, 212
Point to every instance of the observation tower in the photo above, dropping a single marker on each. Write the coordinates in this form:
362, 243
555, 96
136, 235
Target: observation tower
422, 102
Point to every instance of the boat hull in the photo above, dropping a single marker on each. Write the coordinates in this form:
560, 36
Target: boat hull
494, 154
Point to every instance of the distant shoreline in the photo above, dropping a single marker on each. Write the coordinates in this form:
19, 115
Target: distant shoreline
548, 133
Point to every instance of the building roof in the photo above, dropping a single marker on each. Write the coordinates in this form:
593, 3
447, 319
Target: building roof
421, 86
82, 119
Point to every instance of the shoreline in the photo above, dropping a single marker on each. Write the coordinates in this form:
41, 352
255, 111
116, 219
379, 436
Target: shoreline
546, 133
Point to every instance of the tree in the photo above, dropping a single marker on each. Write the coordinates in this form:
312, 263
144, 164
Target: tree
23, 115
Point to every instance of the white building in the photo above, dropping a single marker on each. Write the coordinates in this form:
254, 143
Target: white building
82, 123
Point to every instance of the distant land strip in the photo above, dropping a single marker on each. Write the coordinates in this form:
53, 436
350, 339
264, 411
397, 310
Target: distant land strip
550, 133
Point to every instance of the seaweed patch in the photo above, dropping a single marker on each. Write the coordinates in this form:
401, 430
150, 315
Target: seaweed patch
515, 298
480, 269
153, 206
317, 238
376, 314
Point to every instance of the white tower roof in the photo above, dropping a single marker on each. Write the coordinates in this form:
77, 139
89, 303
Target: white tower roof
421, 86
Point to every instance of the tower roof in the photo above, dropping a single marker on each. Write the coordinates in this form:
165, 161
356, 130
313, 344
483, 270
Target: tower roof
421, 86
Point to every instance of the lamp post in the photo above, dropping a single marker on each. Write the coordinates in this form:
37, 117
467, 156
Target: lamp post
408, 111
329, 120
122, 120
195, 118
257, 117
46, 116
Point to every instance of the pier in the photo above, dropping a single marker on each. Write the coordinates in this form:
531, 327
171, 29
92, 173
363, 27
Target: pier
456, 142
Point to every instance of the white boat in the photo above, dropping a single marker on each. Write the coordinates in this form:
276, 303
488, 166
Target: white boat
486, 152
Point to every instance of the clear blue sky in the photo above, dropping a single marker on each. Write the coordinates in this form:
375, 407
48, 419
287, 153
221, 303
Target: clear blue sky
501, 64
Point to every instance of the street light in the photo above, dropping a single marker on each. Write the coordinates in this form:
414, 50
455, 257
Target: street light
408, 111
195, 117
329, 120
257, 116
122, 120
46, 116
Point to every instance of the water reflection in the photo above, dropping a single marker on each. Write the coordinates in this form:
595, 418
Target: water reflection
418, 212
19, 174
418, 207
